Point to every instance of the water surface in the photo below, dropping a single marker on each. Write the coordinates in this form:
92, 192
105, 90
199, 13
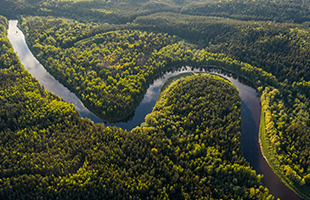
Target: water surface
250, 108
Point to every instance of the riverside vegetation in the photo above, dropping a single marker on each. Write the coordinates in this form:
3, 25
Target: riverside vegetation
111, 56
49, 152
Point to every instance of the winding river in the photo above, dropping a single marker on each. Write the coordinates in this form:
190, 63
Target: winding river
250, 108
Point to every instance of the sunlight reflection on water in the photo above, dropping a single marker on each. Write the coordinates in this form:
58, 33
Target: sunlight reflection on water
250, 112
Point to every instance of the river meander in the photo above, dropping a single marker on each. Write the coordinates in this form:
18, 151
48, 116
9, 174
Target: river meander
250, 108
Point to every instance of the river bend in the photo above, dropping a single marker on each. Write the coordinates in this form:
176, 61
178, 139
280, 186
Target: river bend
250, 108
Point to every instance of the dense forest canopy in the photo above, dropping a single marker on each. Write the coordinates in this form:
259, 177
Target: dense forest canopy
279, 48
122, 11
48, 151
108, 52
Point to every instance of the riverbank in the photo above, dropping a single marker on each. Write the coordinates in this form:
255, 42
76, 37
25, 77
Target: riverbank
250, 114
267, 151
124, 103
173, 81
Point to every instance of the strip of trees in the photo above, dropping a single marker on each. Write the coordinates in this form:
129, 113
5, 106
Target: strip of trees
49, 152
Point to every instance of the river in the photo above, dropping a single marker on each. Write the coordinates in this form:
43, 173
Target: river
250, 108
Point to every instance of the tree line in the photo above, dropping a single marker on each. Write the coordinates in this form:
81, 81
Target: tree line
49, 151
277, 54
123, 11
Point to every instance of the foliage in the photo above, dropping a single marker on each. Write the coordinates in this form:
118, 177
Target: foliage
123, 11
109, 66
49, 152
111, 71
278, 48
181, 112
262, 10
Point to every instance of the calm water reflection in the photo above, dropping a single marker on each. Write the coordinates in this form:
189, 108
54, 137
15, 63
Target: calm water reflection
250, 108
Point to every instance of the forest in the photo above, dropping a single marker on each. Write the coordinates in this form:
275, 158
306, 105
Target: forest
123, 11
50, 152
109, 52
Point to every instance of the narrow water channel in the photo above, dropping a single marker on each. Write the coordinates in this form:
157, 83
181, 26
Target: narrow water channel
250, 108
